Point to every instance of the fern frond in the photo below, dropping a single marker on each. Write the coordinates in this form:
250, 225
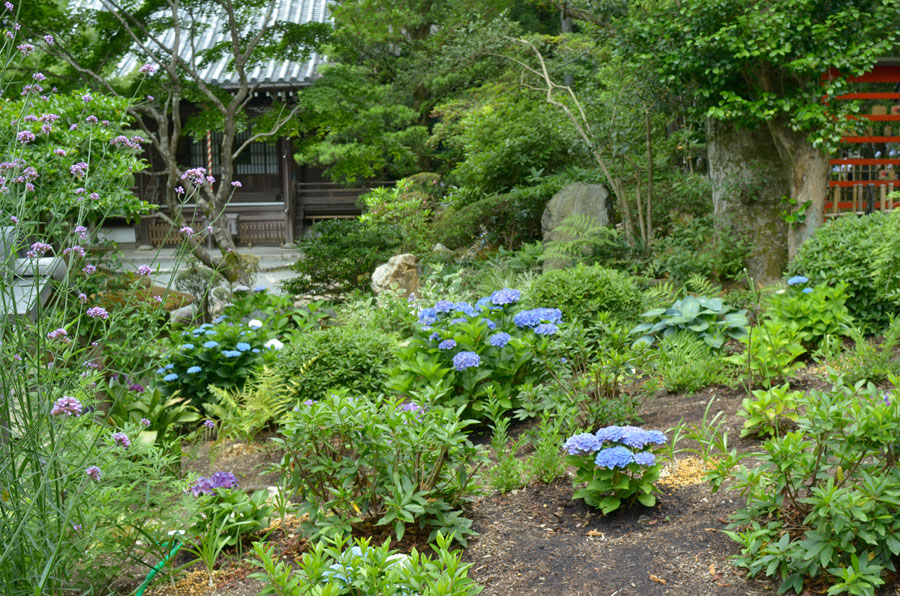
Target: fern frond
661, 295
700, 285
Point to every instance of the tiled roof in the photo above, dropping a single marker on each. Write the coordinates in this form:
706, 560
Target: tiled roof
273, 73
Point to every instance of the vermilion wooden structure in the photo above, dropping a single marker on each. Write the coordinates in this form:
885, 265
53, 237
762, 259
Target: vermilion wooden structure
868, 169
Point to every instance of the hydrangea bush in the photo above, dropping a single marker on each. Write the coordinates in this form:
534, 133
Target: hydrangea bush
224, 355
466, 348
353, 461
617, 463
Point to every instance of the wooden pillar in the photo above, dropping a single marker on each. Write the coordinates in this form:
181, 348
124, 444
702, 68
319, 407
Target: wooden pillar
287, 195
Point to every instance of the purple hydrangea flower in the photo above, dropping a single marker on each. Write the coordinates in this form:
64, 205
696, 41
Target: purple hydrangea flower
434, 336
498, 340
465, 360
614, 457
410, 407
656, 437
582, 444
447, 344
634, 437
536, 316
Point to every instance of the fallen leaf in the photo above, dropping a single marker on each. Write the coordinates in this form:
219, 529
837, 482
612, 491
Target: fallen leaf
712, 569
595, 533
658, 580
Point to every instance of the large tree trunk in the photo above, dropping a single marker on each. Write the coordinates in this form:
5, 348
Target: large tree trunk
748, 180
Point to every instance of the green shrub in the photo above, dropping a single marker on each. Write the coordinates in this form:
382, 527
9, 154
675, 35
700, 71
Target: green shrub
352, 461
581, 293
407, 207
686, 364
505, 220
812, 312
340, 254
822, 502
341, 356
846, 250
695, 246
771, 354
768, 410
335, 567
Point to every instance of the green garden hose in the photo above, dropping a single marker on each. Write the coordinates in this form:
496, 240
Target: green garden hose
157, 568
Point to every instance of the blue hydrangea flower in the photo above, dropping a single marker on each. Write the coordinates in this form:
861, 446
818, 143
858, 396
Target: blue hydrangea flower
255, 350
634, 437
259, 289
231, 353
447, 344
505, 296
465, 308
193, 370
211, 344
807, 290
614, 457
483, 303
583, 444
491, 325
169, 366
656, 437
219, 319
187, 346
536, 316
427, 313
197, 331
797, 280
242, 346
498, 340
459, 320
160, 371
610, 434
644, 458
546, 329
210, 332
434, 336
205, 326
443, 306
465, 360
170, 377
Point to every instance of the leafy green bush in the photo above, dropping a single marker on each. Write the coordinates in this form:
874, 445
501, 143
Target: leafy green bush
686, 364
350, 357
768, 409
353, 461
822, 501
870, 359
771, 353
845, 250
406, 207
812, 313
710, 319
695, 247
582, 293
339, 255
504, 220
330, 567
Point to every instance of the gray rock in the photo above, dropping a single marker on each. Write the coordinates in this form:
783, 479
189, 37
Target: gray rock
237, 289
184, 315
144, 248
577, 198
399, 272
440, 248
219, 298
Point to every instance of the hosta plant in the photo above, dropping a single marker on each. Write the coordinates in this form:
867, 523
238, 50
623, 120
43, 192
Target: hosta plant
710, 319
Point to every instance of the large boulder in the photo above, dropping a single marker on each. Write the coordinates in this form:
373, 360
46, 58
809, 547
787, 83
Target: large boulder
577, 198
399, 272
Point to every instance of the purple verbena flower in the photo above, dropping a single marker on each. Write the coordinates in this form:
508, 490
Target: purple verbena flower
97, 312
121, 440
66, 405
94, 473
